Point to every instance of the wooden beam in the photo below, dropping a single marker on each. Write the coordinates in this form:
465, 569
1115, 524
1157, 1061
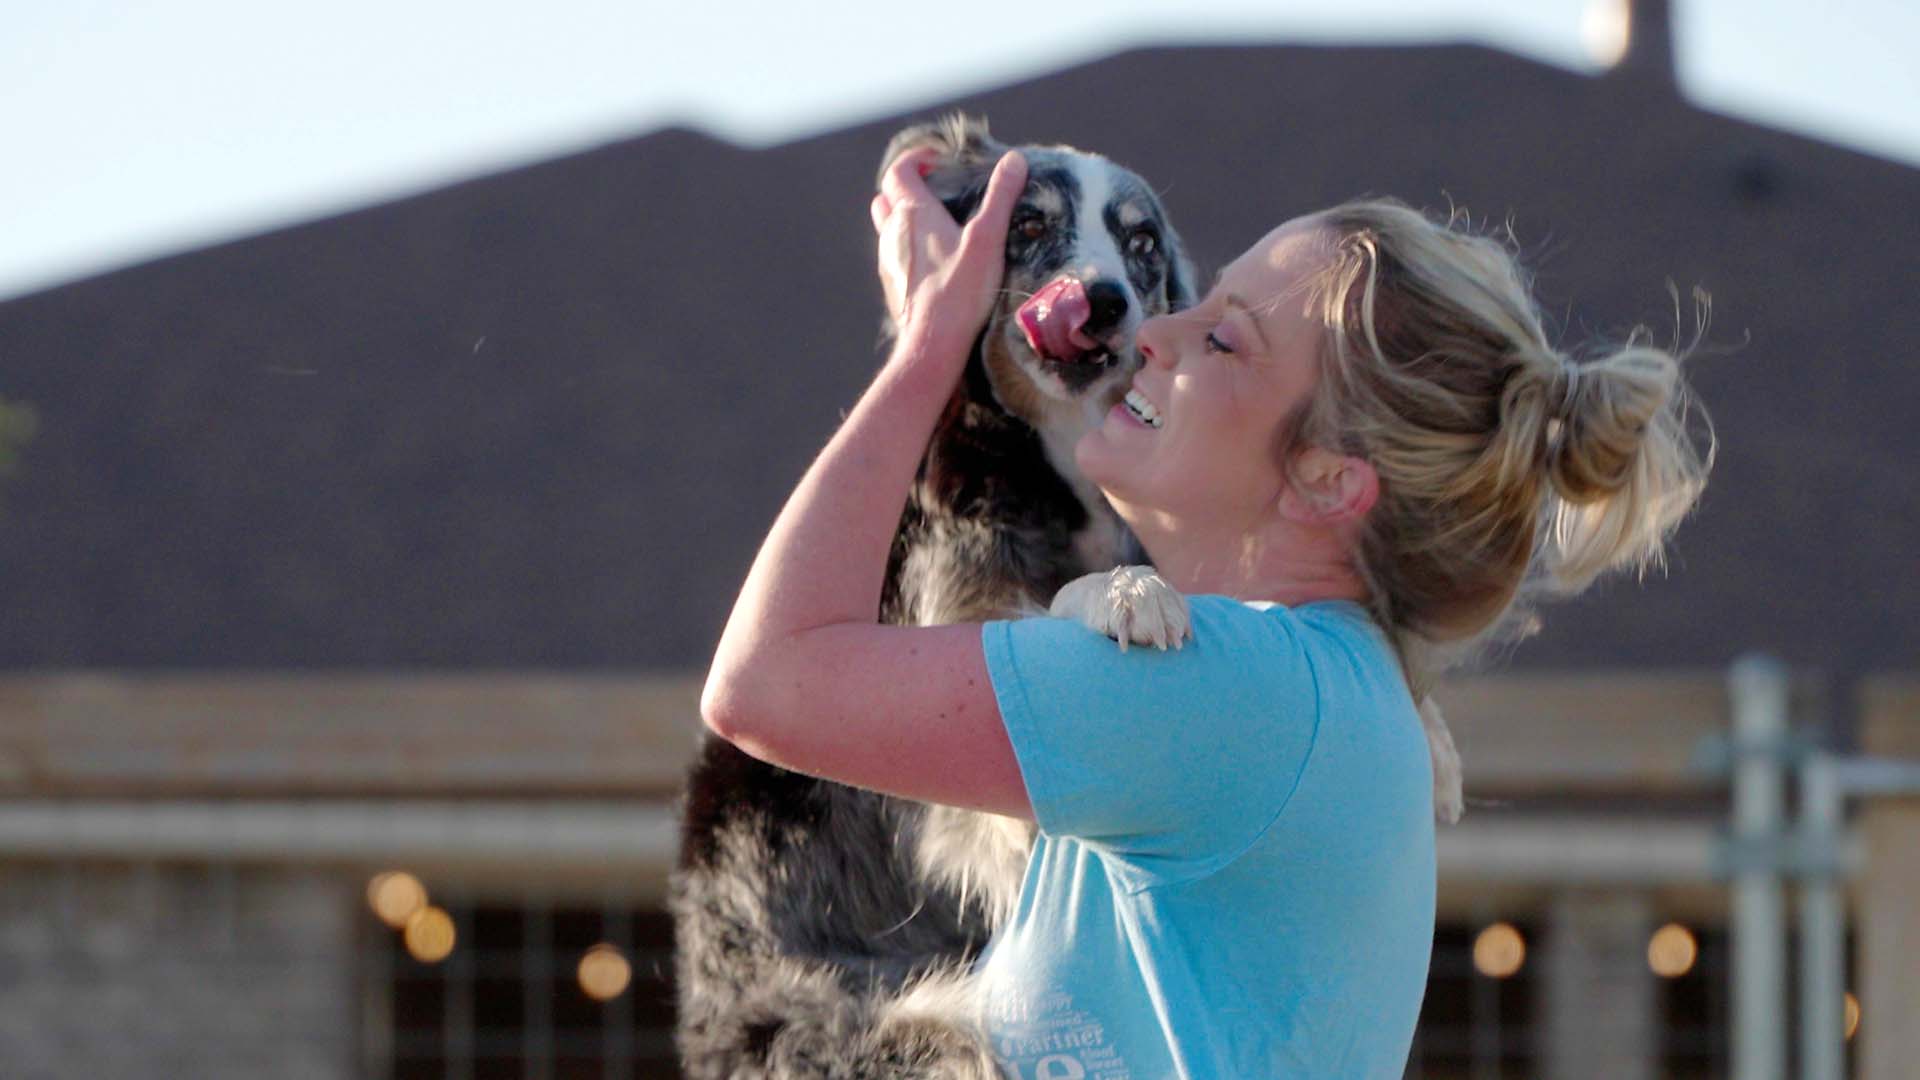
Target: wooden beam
1887, 937
346, 734
619, 838
1590, 734
1586, 733
1568, 849
1890, 716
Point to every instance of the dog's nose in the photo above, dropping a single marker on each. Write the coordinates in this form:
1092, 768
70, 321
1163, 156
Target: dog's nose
1107, 303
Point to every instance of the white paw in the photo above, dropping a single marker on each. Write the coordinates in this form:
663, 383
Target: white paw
1131, 604
1448, 800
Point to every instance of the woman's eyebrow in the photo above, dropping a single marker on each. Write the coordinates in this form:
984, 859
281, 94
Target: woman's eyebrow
1235, 302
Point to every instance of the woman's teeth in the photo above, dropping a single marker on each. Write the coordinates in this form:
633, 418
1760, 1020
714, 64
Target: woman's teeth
1142, 409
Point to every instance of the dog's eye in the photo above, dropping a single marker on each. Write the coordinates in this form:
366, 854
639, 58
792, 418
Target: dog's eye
1143, 243
1030, 228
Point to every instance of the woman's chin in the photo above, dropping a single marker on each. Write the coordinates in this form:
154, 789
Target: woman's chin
1104, 460
1094, 454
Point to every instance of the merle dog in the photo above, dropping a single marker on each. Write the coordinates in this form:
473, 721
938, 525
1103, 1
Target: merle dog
825, 931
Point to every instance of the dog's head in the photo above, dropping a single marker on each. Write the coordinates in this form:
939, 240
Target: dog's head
1090, 255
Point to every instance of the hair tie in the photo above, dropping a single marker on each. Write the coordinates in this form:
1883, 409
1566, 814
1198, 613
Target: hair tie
1572, 373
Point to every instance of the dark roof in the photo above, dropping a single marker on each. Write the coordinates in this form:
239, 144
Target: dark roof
542, 419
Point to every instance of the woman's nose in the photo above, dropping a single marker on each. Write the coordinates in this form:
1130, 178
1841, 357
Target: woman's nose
1148, 341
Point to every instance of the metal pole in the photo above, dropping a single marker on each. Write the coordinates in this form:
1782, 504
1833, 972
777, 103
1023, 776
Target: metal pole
1822, 926
1758, 687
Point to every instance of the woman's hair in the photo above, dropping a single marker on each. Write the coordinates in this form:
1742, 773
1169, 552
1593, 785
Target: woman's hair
1507, 468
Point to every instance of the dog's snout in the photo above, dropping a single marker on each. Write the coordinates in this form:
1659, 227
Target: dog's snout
1107, 304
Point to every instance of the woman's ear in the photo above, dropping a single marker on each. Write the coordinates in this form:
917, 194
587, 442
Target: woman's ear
1328, 489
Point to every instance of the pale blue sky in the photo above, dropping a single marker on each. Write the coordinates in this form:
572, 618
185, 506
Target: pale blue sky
134, 129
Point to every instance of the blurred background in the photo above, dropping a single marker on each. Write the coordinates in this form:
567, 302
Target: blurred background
392, 396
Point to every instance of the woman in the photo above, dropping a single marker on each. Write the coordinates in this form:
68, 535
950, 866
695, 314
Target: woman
1359, 452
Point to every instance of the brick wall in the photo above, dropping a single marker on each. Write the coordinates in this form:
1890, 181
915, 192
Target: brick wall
114, 970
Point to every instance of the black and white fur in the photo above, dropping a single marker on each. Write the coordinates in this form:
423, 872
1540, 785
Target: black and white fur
825, 931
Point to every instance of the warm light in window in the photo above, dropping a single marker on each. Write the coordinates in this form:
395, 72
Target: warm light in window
1605, 27
429, 935
1499, 951
395, 896
604, 973
1853, 1015
1672, 951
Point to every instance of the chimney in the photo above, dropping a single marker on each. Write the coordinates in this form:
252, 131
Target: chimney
1634, 38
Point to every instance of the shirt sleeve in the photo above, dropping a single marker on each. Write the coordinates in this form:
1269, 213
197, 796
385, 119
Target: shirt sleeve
1175, 760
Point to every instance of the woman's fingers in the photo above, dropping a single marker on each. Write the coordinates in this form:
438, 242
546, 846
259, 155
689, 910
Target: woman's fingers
1009, 179
983, 243
904, 179
940, 279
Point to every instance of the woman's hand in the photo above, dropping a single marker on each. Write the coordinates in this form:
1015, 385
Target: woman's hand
940, 278
803, 676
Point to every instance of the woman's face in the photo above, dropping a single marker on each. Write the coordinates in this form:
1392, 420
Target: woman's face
1196, 441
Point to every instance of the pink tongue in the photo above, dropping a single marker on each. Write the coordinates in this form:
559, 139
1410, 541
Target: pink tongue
1052, 319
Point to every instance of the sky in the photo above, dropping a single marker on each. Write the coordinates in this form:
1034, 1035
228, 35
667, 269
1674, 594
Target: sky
131, 129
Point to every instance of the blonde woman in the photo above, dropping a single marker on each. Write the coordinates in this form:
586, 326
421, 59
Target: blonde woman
1358, 454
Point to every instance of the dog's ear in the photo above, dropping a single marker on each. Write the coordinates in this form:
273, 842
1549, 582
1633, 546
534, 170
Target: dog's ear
967, 156
1180, 272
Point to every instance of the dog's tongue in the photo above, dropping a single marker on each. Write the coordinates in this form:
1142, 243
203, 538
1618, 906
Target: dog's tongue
1052, 319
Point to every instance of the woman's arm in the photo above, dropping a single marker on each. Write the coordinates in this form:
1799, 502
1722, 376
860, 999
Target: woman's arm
804, 676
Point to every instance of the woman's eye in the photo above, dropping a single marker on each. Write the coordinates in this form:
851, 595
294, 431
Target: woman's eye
1214, 344
1142, 244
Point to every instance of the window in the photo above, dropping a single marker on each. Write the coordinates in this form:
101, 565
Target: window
508, 1002
1472, 1026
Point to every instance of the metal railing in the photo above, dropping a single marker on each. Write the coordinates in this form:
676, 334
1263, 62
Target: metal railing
1766, 851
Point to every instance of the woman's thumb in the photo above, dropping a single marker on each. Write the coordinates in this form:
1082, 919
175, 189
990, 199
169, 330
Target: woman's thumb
996, 207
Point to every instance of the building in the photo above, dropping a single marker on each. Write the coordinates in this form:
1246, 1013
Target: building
400, 539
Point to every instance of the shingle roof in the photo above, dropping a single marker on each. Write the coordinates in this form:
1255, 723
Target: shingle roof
542, 419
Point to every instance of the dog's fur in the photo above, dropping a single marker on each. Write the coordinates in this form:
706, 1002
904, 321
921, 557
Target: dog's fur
824, 931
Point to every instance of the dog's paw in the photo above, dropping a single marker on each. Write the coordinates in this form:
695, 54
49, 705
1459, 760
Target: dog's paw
1131, 604
1448, 800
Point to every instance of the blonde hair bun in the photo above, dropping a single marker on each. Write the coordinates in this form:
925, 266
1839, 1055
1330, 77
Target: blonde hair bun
1505, 467
1623, 468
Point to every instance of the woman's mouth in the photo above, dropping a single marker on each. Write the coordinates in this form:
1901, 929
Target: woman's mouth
1139, 408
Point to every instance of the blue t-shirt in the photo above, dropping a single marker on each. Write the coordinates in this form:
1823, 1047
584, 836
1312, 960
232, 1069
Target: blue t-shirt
1234, 876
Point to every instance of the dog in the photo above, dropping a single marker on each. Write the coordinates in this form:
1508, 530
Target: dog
823, 930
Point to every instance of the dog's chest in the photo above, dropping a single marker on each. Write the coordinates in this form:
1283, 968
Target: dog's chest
1099, 544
